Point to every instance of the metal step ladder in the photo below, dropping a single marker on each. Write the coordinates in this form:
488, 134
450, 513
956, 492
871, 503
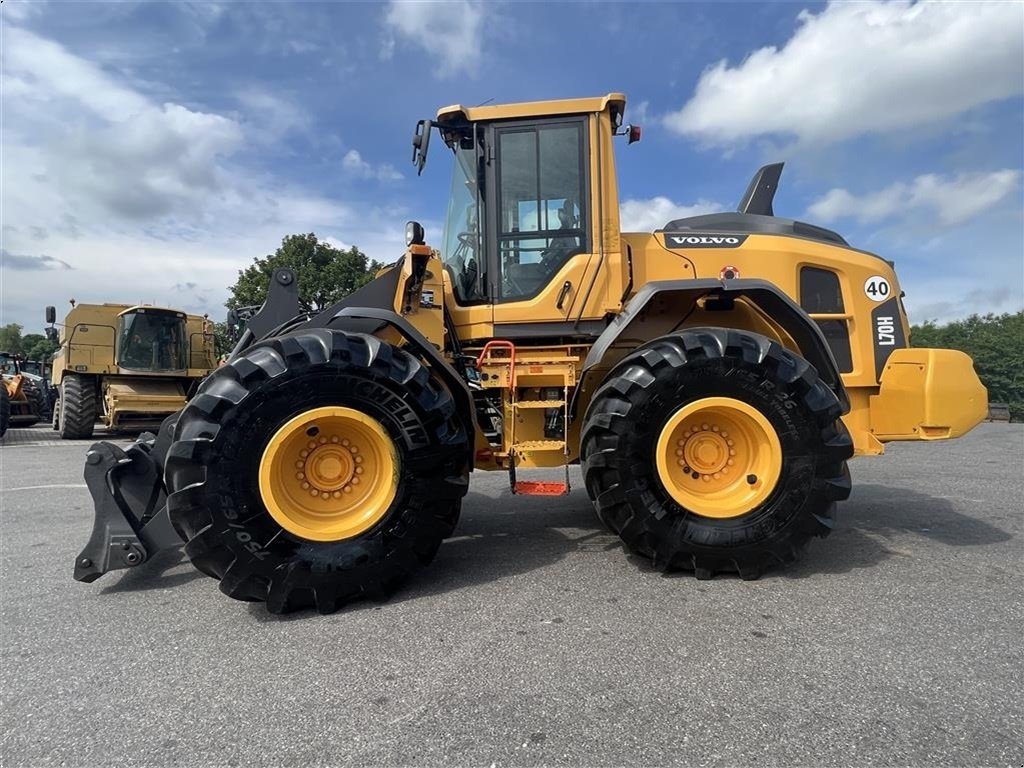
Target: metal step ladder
540, 375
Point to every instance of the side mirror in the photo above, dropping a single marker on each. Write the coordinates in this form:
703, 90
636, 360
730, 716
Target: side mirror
50, 331
420, 144
51, 315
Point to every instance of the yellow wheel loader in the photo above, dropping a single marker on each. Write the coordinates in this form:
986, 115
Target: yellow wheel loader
23, 403
712, 379
125, 367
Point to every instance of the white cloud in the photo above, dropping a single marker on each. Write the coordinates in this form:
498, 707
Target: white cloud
654, 213
951, 201
118, 196
863, 67
946, 299
354, 163
450, 32
19, 10
272, 116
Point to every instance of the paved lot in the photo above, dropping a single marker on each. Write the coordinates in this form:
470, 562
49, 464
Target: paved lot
534, 639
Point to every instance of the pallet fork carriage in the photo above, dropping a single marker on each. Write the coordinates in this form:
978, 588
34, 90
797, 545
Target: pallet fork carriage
711, 378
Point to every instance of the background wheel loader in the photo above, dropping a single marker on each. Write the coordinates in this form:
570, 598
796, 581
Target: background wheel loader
712, 378
126, 367
24, 398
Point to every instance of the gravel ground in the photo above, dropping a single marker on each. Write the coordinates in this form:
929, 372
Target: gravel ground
534, 639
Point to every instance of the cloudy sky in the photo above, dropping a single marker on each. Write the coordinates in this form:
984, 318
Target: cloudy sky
151, 150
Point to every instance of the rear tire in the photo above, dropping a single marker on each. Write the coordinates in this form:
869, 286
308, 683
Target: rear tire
223, 434
639, 399
78, 407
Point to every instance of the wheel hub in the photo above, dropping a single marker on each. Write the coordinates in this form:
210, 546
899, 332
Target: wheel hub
329, 465
707, 451
719, 457
329, 474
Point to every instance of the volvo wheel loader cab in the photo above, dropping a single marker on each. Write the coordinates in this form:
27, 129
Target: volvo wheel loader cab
126, 367
712, 378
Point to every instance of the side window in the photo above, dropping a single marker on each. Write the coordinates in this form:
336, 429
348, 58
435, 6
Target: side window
820, 294
541, 205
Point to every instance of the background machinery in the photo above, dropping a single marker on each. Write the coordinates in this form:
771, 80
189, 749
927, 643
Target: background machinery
127, 367
24, 400
712, 379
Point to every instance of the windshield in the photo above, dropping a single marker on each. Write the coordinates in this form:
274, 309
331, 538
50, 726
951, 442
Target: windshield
461, 251
151, 341
8, 365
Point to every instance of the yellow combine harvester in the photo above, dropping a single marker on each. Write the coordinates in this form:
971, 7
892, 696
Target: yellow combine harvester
127, 367
712, 378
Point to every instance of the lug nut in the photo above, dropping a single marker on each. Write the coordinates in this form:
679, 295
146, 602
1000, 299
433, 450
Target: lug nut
751, 479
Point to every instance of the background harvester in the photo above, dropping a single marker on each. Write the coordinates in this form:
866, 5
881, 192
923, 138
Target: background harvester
126, 367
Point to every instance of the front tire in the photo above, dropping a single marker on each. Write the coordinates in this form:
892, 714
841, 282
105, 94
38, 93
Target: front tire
716, 450
240, 469
78, 407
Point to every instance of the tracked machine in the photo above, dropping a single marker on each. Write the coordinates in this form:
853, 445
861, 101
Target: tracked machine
712, 379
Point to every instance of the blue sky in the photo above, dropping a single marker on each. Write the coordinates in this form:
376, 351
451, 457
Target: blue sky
151, 150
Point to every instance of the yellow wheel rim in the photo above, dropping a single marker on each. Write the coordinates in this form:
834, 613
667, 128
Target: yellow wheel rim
719, 457
329, 474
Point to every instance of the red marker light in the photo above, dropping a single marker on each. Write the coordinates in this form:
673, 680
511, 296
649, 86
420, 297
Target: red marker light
634, 133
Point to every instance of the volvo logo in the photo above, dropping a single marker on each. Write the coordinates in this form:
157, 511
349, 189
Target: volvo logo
695, 240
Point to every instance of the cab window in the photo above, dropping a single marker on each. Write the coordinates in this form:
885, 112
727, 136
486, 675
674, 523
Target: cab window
541, 205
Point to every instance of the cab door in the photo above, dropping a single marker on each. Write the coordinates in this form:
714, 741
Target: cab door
541, 238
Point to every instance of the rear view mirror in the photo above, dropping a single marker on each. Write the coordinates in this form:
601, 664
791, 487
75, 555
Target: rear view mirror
420, 144
51, 332
233, 320
51, 315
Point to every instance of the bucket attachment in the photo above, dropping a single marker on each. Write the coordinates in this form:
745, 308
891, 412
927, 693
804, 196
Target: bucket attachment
130, 505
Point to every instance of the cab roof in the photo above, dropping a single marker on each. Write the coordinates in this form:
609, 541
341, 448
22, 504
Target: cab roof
457, 113
146, 309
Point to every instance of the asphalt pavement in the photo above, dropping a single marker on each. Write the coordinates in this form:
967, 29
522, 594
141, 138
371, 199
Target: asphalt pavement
534, 639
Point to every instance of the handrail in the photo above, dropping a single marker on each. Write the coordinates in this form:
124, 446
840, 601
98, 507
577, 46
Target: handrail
500, 344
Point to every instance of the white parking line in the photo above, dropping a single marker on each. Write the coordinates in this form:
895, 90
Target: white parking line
43, 487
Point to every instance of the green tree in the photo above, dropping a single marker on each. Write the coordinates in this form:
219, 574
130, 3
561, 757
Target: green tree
35, 346
326, 274
995, 343
222, 342
10, 338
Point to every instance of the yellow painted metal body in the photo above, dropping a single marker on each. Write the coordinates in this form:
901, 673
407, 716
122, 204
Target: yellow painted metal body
718, 457
927, 394
329, 474
130, 398
941, 397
